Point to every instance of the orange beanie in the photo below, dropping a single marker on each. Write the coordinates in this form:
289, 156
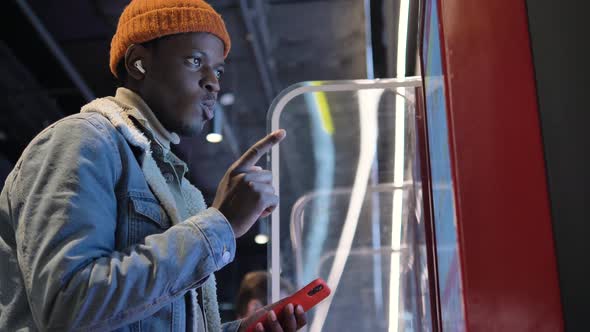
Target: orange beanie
144, 20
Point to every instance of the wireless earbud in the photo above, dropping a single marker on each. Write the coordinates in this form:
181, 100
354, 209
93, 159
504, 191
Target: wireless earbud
139, 66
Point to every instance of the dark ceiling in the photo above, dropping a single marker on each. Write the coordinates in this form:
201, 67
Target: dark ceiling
275, 44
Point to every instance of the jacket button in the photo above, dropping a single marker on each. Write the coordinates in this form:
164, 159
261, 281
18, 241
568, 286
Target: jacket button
226, 256
168, 177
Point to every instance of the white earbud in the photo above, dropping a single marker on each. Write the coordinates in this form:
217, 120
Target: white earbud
139, 66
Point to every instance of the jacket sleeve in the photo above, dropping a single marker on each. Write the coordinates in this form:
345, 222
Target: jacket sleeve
65, 215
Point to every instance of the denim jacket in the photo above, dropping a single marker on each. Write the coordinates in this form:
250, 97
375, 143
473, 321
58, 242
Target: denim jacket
89, 239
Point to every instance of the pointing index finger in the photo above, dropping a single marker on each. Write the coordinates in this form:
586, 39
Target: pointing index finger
254, 153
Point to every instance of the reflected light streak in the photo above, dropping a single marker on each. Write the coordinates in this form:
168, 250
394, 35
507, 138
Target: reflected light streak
321, 102
322, 128
398, 173
368, 105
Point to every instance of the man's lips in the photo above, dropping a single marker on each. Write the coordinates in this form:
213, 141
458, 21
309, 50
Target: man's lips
208, 108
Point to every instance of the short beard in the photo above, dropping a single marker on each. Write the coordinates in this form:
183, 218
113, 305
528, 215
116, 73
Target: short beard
189, 130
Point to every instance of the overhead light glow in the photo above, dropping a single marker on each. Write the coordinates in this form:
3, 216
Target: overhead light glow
227, 99
214, 138
261, 239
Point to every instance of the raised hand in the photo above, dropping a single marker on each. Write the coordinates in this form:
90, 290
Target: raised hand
245, 192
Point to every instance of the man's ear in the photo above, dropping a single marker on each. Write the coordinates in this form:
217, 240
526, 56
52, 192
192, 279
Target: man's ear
136, 52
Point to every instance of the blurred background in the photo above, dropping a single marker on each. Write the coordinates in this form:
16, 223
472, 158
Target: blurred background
54, 58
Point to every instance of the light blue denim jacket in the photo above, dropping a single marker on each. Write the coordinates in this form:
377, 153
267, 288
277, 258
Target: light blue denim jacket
85, 244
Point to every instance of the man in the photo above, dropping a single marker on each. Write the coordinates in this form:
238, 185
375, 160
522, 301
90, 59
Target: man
253, 292
99, 229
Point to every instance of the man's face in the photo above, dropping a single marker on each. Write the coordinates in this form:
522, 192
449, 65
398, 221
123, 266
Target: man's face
183, 80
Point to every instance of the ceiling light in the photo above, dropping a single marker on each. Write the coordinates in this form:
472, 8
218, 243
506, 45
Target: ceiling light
227, 99
215, 135
261, 239
214, 138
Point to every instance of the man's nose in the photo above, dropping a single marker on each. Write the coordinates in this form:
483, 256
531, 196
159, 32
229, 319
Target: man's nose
209, 81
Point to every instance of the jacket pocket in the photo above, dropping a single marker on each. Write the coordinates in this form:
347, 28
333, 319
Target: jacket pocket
150, 209
145, 217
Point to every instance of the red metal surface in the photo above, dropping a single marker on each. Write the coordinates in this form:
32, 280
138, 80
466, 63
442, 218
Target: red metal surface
504, 227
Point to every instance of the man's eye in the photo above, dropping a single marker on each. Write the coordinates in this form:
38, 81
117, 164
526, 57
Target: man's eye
195, 61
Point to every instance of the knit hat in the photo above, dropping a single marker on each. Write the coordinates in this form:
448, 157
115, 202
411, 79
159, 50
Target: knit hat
145, 20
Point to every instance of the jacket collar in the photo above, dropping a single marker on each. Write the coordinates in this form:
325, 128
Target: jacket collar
116, 113
137, 108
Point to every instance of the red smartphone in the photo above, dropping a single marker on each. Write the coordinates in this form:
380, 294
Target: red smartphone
307, 297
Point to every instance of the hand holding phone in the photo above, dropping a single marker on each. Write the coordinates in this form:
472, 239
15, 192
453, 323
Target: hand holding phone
307, 298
